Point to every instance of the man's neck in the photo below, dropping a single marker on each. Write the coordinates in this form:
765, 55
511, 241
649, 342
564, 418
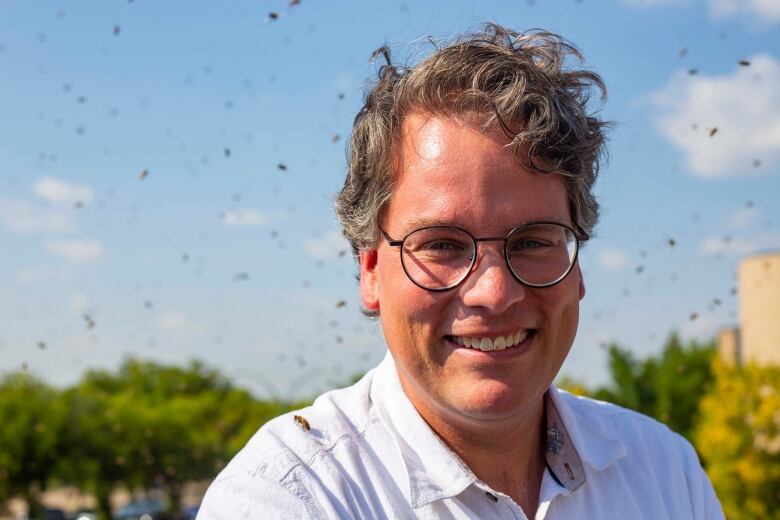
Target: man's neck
507, 455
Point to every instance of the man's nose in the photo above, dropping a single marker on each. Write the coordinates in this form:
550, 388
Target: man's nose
490, 284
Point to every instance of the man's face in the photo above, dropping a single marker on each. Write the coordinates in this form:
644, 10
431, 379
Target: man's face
450, 172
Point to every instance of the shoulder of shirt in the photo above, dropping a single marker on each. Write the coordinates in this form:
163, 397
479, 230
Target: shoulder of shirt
633, 429
286, 442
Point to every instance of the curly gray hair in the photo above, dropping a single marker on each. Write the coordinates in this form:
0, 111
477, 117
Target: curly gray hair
516, 81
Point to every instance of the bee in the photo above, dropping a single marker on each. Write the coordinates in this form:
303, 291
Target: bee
88, 321
302, 422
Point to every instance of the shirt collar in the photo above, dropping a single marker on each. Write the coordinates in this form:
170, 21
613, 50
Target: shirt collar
435, 472
596, 444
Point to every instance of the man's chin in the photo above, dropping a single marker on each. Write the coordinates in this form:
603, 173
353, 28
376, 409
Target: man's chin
493, 401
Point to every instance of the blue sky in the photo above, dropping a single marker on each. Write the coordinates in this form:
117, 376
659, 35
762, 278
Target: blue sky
220, 255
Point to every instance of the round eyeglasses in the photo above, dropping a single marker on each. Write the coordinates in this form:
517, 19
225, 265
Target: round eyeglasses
439, 258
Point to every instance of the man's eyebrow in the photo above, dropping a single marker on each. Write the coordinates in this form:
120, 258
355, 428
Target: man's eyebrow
417, 222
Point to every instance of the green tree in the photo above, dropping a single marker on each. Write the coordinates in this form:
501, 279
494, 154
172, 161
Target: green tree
96, 441
667, 387
30, 429
156, 426
739, 436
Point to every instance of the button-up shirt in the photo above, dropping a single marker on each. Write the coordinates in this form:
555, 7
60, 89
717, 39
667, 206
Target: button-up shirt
365, 452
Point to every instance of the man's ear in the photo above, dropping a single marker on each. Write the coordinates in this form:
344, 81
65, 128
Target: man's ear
369, 284
582, 282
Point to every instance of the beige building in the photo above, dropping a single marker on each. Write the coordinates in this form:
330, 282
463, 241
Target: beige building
758, 338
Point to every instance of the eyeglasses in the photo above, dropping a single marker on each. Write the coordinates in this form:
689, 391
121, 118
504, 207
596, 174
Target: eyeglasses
439, 258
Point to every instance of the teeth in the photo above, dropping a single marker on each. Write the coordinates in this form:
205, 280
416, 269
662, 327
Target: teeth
489, 345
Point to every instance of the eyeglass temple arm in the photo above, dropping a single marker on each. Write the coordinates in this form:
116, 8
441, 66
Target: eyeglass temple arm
390, 241
583, 236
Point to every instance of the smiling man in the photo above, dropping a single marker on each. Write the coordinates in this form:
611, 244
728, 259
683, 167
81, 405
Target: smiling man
468, 197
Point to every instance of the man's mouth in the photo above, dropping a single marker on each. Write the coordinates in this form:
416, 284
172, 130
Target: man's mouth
492, 343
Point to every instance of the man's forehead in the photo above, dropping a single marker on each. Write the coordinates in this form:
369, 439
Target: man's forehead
426, 134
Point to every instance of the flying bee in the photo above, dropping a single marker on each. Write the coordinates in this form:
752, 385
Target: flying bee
302, 422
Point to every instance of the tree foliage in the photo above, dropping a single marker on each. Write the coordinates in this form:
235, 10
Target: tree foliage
30, 431
145, 426
739, 436
667, 387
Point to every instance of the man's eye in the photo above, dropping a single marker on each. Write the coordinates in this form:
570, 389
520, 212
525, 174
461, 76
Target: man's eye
442, 245
529, 244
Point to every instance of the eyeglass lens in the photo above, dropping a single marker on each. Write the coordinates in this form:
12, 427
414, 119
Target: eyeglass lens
440, 257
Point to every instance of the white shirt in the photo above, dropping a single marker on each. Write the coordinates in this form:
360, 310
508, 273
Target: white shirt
368, 453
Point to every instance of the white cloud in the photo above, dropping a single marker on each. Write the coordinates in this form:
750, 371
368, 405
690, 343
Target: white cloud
25, 216
21, 216
243, 218
62, 193
744, 106
79, 302
179, 324
328, 246
78, 251
613, 259
739, 245
761, 10
34, 274
743, 217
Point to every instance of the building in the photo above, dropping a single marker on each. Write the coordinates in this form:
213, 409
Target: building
757, 340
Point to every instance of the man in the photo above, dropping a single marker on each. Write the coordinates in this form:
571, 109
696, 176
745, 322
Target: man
468, 195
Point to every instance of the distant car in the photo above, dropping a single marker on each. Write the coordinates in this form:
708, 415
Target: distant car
53, 514
190, 513
146, 509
